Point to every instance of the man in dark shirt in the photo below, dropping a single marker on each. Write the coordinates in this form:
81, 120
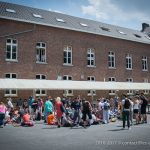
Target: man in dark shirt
76, 105
144, 103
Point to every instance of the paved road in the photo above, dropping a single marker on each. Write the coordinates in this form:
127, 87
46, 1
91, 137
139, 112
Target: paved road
102, 137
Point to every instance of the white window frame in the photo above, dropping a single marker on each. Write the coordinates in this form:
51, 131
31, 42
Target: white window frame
91, 92
128, 62
68, 92
11, 44
91, 57
130, 92
112, 79
111, 60
37, 16
10, 10
40, 58
146, 91
67, 51
40, 90
144, 63
11, 90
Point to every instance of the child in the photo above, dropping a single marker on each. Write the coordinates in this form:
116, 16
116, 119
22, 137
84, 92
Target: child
26, 120
51, 119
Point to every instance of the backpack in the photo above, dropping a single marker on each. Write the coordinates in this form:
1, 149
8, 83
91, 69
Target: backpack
106, 106
127, 104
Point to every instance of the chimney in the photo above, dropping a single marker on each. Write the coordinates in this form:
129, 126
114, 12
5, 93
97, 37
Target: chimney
144, 26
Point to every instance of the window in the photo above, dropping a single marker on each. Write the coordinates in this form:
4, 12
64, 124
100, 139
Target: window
146, 91
111, 59
90, 58
105, 29
11, 50
40, 76
67, 55
37, 16
144, 63
121, 32
10, 92
136, 35
41, 52
91, 92
40, 92
10, 10
130, 92
128, 62
67, 92
83, 24
60, 20
112, 79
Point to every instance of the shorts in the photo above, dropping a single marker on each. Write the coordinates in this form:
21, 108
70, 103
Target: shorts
136, 111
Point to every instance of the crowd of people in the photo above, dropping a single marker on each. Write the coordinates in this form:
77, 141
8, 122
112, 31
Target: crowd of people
69, 112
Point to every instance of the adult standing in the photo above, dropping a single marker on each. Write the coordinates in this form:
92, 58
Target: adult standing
76, 105
136, 108
126, 111
87, 111
48, 108
9, 103
2, 113
100, 104
144, 103
106, 108
59, 110
19, 103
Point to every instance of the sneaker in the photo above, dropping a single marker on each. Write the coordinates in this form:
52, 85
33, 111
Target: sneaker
77, 125
58, 126
129, 128
123, 128
1, 126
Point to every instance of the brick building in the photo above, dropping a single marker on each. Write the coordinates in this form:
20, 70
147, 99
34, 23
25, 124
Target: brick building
39, 44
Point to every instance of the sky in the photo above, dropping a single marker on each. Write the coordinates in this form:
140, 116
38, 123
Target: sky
124, 13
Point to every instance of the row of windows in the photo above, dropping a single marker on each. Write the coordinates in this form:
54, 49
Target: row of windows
12, 46
83, 24
40, 92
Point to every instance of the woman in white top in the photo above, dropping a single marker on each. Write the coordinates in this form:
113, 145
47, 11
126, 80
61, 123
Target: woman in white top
136, 108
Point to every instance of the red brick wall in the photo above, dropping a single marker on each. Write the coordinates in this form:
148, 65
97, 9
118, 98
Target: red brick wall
55, 40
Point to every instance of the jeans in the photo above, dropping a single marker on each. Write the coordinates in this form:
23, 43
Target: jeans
76, 116
126, 116
105, 116
2, 116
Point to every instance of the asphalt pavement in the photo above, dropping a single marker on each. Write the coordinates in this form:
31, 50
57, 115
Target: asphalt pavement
103, 137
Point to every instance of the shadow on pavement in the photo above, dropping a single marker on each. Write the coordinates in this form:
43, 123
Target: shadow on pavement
50, 127
117, 129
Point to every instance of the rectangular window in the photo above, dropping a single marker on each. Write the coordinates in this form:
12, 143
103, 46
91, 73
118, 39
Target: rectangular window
41, 52
91, 92
128, 62
90, 58
11, 50
130, 92
10, 92
40, 92
146, 91
144, 63
68, 55
112, 79
67, 92
111, 59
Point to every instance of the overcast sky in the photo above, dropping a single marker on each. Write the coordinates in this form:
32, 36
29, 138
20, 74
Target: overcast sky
124, 13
